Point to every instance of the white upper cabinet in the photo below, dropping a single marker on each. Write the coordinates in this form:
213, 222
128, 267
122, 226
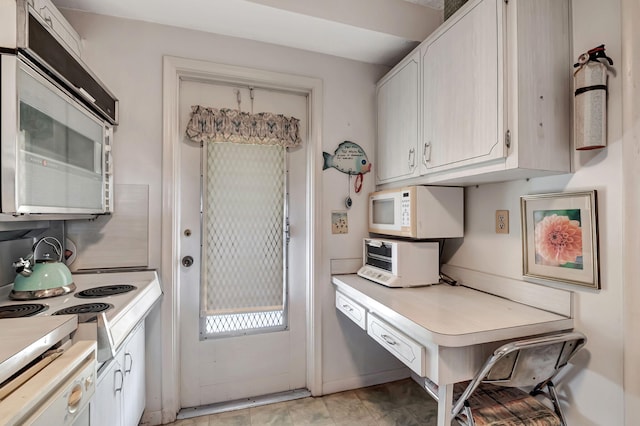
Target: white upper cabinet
461, 74
494, 97
398, 117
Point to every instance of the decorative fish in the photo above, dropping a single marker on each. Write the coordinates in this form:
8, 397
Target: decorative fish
348, 158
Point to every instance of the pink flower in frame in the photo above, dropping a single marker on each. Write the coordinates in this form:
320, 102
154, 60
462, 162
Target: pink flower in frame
558, 240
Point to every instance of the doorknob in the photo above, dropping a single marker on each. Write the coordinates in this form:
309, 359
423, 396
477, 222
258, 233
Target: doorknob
187, 261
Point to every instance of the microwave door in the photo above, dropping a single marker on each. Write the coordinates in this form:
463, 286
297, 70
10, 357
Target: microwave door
59, 150
384, 213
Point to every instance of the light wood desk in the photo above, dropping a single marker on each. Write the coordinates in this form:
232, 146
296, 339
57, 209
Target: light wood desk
442, 333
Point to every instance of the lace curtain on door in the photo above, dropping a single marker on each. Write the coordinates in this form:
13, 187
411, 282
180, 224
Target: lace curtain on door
243, 213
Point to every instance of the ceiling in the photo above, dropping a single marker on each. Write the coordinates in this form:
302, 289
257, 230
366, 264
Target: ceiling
373, 31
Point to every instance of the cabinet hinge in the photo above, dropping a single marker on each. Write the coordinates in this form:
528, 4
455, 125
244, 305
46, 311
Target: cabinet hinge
507, 139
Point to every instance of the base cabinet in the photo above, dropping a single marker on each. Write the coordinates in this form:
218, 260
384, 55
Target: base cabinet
119, 398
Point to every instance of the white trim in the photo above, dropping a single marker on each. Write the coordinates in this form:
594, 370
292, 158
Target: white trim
175, 69
241, 404
629, 72
366, 380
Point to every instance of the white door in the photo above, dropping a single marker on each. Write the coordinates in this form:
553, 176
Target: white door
216, 369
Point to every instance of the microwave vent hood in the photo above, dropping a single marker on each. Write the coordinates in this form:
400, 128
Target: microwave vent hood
36, 39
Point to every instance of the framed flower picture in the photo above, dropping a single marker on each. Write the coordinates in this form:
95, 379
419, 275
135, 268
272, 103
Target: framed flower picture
560, 238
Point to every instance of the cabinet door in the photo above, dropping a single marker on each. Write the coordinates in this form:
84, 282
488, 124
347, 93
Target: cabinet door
397, 101
134, 384
462, 90
106, 406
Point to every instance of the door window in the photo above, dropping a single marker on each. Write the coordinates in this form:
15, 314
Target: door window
243, 289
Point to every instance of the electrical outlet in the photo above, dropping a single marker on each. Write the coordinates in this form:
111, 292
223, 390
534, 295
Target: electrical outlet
502, 221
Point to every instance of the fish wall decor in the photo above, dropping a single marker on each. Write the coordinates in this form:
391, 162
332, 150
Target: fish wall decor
348, 158
351, 159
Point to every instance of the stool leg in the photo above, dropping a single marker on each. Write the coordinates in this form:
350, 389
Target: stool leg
556, 402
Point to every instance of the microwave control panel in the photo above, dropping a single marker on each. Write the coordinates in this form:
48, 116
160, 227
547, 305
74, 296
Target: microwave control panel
405, 209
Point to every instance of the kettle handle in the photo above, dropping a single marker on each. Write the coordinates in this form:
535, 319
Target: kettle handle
48, 241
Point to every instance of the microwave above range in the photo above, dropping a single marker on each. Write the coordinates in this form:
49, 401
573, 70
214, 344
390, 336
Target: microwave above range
56, 120
418, 212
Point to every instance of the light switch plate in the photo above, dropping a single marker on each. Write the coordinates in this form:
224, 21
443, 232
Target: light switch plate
502, 221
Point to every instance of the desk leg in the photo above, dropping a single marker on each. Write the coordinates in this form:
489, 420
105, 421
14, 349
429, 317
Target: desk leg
445, 403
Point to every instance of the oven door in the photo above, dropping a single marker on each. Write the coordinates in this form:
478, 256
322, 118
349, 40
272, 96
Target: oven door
54, 151
58, 394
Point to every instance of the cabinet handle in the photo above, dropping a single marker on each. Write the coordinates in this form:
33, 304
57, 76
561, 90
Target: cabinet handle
47, 19
388, 339
427, 148
128, 370
119, 388
348, 308
412, 157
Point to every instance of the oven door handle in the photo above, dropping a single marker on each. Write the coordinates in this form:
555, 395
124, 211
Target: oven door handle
29, 373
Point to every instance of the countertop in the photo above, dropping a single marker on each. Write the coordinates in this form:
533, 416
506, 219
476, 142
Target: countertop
451, 316
24, 339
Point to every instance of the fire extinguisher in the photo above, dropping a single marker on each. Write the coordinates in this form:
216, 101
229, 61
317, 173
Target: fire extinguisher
590, 108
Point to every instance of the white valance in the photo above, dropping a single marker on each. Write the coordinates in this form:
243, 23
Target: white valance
230, 125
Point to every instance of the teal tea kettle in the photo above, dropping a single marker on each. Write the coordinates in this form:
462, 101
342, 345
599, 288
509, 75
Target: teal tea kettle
38, 278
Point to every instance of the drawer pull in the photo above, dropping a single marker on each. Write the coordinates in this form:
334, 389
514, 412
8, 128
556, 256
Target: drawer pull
348, 308
388, 339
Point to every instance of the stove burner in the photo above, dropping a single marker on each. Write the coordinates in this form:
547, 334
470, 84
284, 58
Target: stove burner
86, 312
22, 310
107, 290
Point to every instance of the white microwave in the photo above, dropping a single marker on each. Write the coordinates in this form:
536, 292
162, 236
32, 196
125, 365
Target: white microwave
56, 123
418, 212
400, 263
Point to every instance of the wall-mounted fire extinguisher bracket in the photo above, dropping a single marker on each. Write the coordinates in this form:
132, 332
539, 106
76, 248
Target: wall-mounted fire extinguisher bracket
590, 107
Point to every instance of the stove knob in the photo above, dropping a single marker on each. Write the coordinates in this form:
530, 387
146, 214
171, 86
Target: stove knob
88, 382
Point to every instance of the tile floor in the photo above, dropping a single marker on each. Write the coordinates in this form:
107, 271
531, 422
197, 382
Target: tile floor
402, 403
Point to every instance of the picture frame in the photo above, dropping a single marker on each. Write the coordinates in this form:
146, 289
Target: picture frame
560, 238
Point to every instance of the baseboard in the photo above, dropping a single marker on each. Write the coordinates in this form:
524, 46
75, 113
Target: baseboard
152, 418
364, 381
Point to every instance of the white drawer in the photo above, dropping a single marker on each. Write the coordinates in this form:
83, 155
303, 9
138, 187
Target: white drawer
403, 347
352, 310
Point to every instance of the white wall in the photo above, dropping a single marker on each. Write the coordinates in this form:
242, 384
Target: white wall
598, 314
127, 57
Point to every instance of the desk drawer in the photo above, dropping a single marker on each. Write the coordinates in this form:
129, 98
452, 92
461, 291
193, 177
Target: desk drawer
352, 310
403, 347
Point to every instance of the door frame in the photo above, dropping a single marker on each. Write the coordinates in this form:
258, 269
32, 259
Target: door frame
174, 70
630, 75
